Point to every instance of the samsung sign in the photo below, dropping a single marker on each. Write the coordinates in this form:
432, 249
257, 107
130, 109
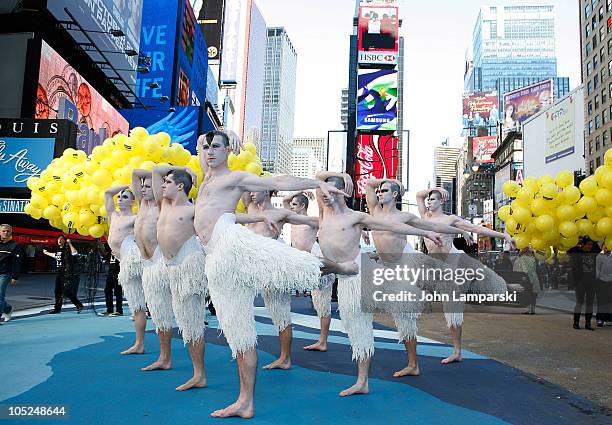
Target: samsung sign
381, 58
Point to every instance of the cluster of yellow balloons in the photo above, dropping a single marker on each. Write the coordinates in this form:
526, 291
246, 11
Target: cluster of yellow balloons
552, 212
69, 193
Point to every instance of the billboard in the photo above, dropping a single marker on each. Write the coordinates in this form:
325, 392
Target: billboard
525, 102
480, 109
63, 93
376, 157
501, 177
377, 34
377, 99
560, 130
210, 18
182, 125
231, 32
100, 17
192, 61
484, 148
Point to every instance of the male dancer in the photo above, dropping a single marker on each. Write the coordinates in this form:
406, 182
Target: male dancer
492, 282
122, 244
381, 197
183, 260
154, 282
304, 238
339, 234
279, 303
239, 262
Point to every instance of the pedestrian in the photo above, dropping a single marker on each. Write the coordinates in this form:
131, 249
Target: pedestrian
67, 268
584, 281
526, 263
505, 262
113, 288
10, 266
603, 290
30, 253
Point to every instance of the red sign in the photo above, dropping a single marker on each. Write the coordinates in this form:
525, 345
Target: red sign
378, 29
377, 157
484, 148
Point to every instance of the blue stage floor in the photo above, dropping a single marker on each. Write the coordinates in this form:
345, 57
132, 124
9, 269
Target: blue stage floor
73, 360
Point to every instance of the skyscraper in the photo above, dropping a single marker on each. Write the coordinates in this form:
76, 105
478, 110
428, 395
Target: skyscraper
305, 164
445, 173
344, 109
275, 147
512, 41
318, 145
596, 53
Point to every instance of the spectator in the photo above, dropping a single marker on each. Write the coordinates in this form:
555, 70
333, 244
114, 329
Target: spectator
67, 269
30, 253
603, 290
526, 263
584, 281
112, 286
505, 263
10, 266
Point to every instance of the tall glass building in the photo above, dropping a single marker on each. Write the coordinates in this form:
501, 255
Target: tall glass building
275, 147
512, 41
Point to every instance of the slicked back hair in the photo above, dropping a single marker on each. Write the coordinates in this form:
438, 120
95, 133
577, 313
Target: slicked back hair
394, 188
127, 191
300, 198
435, 192
338, 182
211, 135
183, 177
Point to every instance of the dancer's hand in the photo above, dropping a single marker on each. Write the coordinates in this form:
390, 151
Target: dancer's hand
235, 142
272, 225
435, 238
510, 241
348, 185
329, 189
444, 193
468, 238
194, 177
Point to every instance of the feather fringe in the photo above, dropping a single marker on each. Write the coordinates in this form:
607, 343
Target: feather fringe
406, 324
321, 300
130, 261
187, 270
157, 291
358, 325
279, 306
132, 288
190, 313
242, 259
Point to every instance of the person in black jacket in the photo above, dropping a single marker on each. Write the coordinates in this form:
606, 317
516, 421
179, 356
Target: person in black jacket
113, 288
10, 266
67, 268
585, 281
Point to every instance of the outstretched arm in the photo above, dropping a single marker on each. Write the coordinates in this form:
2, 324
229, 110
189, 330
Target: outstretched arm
109, 202
137, 176
249, 182
402, 229
484, 231
293, 218
256, 218
348, 182
414, 221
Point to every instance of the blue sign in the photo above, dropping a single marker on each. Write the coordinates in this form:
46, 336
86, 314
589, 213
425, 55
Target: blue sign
157, 41
192, 64
14, 206
22, 158
182, 125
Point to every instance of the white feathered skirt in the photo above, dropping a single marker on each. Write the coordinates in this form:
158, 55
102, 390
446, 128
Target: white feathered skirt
130, 274
156, 285
321, 297
189, 288
356, 322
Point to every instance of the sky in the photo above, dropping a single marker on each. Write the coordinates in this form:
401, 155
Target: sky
436, 36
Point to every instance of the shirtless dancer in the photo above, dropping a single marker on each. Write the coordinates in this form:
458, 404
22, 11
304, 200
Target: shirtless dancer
122, 244
304, 238
156, 288
339, 235
381, 197
235, 256
432, 211
183, 261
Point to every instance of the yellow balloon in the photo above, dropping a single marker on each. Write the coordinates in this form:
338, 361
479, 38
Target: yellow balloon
147, 165
232, 161
568, 229
596, 215
193, 193
539, 206
537, 242
135, 161
606, 177
549, 191
510, 188
504, 212
546, 179
532, 183
69, 181
103, 212
588, 186
87, 218
521, 241
58, 199
34, 183
564, 178
107, 164
566, 212
603, 196
70, 220
151, 149
587, 204
139, 133
609, 210
568, 243
512, 226
166, 154
544, 223
584, 227
255, 168
50, 212
39, 202
604, 226
250, 147
97, 231
525, 195
570, 194
608, 157
102, 178
240, 207
522, 215
551, 235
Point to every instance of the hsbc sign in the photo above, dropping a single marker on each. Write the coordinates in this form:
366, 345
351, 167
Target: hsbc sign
382, 58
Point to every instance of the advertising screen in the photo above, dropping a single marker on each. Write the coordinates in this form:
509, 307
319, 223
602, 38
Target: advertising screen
377, 157
192, 65
100, 17
484, 148
521, 104
378, 29
231, 32
377, 99
22, 158
63, 93
182, 125
210, 17
560, 130
480, 109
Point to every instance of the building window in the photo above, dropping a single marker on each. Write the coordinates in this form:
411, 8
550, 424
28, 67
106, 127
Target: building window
596, 143
604, 96
591, 127
589, 68
610, 46
604, 116
595, 84
591, 169
594, 41
587, 30
594, 22
590, 147
602, 55
588, 48
609, 5
601, 13
597, 161
604, 138
597, 122
590, 108
602, 34
596, 101
595, 61
589, 88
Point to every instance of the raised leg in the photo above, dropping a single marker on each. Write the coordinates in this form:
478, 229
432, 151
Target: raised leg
247, 372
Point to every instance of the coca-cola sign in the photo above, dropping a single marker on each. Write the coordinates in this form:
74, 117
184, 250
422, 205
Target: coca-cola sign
377, 157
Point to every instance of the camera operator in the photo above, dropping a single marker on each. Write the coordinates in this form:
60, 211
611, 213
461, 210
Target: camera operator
67, 268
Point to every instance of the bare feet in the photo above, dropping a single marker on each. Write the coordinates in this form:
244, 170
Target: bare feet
195, 382
134, 349
348, 268
279, 364
243, 410
358, 388
317, 346
455, 357
407, 371
158, 365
